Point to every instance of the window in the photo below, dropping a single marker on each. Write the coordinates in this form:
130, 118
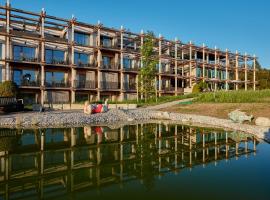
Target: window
106, 61
81, 38
127, 63
55, 56
23, 53
58, 77
25, 77
106, 41
81, 58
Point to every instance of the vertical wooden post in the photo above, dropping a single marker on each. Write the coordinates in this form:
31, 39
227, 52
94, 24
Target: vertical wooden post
246, 72
42, 57
190, 64
122, 64
254, 73
8, 45
227, 65
175, 66
73, 71
215, 68
99, 62
236, 69
203, 72
183, 84
160, 64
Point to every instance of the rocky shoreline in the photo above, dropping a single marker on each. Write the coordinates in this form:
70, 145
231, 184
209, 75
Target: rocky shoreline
116, 117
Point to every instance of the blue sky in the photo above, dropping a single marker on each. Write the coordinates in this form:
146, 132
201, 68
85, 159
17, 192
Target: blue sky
242, 25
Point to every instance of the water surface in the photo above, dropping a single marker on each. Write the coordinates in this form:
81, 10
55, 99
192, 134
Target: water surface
143, 161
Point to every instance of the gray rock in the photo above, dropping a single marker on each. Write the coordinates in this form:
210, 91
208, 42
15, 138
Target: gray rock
239, 116
262, 121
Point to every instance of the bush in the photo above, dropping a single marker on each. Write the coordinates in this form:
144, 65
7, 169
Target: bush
8, 89
199, 87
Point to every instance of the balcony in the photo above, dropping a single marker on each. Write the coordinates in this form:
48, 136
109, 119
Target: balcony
130, 86
106, 85
25, 59
131, 69
57, 84
167, 88
86, 65
167, 71
30, 83
56, 62
84, 84
110, 66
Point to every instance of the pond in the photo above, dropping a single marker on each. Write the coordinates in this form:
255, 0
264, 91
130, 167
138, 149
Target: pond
140, 161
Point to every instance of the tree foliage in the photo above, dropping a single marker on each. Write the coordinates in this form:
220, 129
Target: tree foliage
147, 74
199, 87
8, 89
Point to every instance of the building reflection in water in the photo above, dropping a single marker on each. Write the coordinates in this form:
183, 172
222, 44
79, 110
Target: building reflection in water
46, 163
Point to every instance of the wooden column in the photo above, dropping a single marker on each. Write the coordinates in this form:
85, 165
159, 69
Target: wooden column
142, 41
122, 64
246, 86
203, 72
175, 65
254, 73
183, 83
236, 70
215, 68
8, 45
227, 65
190, 64
73, 71
42, 57
160, 65
99, 62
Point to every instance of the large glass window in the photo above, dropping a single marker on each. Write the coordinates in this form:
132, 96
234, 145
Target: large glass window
56, 79
55, 56
127, 63
23, 53
81, 38
81, 58
106, 41
25, 77
106, 61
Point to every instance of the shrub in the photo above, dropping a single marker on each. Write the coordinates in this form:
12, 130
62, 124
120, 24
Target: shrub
8, 89
199, 87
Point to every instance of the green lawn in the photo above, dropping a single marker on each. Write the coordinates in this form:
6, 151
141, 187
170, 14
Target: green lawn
241, 96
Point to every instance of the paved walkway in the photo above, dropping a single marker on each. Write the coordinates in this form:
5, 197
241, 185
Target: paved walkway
168, 104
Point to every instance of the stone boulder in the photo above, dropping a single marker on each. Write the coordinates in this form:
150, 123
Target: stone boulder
262, 121
239, 116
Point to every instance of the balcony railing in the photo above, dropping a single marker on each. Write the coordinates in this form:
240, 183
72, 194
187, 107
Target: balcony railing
25, 59
168, 88
85, 84
130, 86
131, 68
106, 85
57, 62
87, 65
109, 45
111, 66
30, 83
57, 84
170, 71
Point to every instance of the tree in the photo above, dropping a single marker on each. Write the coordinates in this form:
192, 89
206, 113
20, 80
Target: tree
8, 89
147, 74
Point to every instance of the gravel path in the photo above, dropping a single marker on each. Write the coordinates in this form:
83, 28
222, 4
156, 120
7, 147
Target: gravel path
113, 117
